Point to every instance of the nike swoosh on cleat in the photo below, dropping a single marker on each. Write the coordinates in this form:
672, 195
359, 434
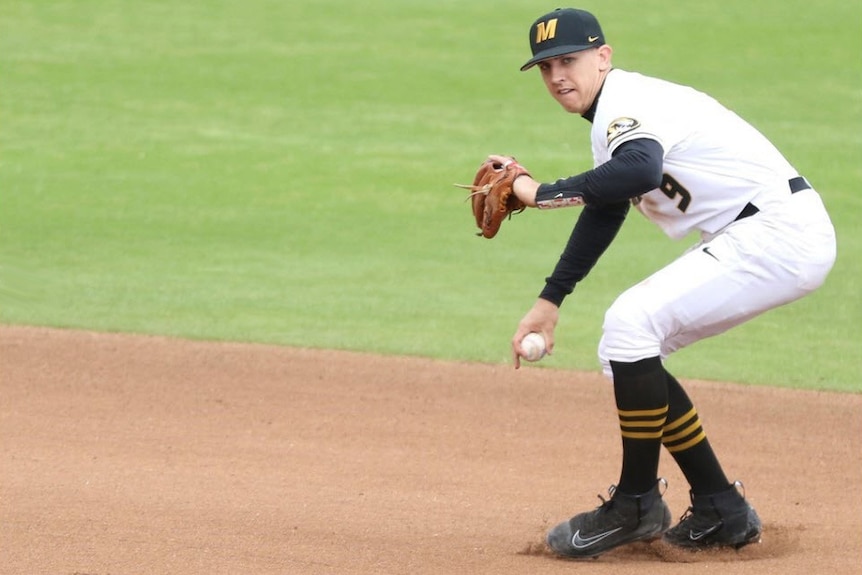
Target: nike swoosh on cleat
698, 535
579, 542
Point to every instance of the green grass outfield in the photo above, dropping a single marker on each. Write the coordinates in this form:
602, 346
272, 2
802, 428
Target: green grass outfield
282, 172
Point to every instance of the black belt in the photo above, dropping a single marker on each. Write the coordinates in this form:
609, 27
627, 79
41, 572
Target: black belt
796, 184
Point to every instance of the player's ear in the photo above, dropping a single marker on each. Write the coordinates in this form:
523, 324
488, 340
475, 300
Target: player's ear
605, 52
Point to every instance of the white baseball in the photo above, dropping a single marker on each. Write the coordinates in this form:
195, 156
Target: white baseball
533, 345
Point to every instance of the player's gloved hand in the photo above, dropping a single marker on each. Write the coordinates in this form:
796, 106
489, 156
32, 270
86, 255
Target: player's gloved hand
524, 186
542, 318
492, 196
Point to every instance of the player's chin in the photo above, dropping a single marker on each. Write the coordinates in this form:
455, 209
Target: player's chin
570, 104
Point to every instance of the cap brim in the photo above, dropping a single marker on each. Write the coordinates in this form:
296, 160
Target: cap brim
553, 53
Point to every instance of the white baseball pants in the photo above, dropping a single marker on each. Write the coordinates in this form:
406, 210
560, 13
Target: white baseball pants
753, 265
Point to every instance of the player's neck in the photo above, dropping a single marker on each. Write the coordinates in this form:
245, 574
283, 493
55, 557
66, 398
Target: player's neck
590, 114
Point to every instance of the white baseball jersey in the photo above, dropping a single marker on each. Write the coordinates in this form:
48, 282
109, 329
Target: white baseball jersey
714, 162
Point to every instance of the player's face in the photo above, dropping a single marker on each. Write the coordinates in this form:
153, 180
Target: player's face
574, 79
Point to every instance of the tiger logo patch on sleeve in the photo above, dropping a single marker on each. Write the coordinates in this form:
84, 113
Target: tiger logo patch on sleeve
621, 126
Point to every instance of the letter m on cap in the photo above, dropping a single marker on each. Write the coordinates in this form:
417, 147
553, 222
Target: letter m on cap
546, 30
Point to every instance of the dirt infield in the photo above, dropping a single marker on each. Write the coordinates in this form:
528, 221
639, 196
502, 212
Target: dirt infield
143, 455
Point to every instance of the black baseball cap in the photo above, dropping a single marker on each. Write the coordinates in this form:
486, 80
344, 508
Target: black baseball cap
563, 31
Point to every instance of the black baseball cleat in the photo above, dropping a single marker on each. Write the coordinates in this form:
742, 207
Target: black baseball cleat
724, 519
617, 521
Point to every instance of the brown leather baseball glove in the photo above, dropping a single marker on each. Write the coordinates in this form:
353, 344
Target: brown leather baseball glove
492, 197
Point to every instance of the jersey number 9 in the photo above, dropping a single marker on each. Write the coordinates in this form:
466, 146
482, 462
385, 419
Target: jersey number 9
672, 189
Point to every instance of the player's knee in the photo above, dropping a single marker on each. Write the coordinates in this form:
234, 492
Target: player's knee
627, 334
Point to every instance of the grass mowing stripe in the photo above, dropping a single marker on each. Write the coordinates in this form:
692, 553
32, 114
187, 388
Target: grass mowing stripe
282, 172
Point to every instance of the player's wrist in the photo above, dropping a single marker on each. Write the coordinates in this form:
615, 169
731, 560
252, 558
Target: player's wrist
525, 188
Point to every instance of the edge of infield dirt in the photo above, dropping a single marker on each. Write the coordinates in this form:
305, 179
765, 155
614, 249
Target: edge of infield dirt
136, 454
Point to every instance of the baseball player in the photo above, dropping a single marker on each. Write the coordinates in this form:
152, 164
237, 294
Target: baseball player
687, 164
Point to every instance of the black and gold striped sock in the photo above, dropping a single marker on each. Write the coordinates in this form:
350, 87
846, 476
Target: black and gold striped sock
640, 391
684, 438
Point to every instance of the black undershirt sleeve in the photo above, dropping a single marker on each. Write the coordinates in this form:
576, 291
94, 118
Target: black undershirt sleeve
635, 168
594, 231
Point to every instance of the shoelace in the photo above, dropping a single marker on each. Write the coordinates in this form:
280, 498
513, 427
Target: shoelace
686, 514
606, 503
613, 489
738, 485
